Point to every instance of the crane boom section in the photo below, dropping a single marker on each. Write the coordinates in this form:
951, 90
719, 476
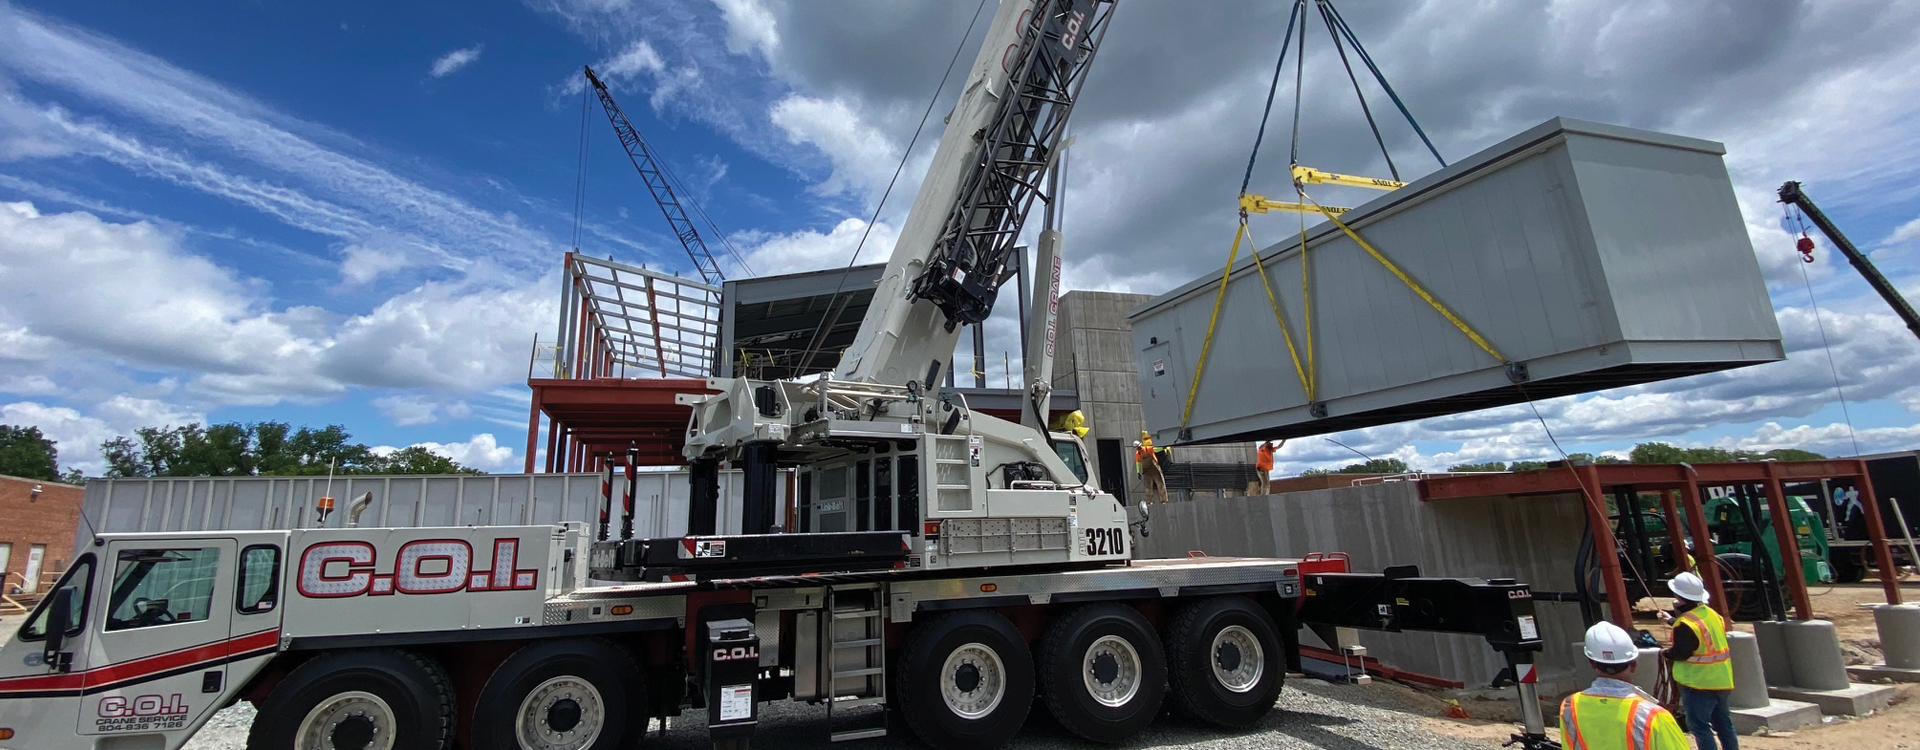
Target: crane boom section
952, 253
657, 184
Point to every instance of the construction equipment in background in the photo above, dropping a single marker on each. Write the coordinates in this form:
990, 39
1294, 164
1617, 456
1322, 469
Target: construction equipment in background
1792, 194
659, 183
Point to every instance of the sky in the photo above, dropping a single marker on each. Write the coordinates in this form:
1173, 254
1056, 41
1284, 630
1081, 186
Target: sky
355, 212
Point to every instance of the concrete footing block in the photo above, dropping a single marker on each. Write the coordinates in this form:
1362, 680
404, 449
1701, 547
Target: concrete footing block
1749, 684
1852, 700
1777, 665
1776, 716
1899, 626
1883, 673
1813, 648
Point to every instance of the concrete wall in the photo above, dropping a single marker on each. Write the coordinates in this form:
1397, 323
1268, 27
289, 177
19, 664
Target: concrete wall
1529, 539
1097, 362
27, 519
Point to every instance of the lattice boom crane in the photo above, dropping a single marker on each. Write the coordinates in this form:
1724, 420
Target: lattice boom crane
650, 172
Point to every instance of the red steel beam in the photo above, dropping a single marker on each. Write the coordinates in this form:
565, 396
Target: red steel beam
1676, 534
1877, 532
1703, 542
1605, 546
1789, 545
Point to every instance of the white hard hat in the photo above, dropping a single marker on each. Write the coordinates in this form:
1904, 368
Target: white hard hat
1608, 644
1689, 587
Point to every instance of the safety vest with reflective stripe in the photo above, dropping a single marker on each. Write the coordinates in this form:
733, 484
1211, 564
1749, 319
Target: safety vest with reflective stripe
1711, 665
1599, 722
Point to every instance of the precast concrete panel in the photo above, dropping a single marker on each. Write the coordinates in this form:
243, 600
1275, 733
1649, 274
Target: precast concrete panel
186, 504
1594, 256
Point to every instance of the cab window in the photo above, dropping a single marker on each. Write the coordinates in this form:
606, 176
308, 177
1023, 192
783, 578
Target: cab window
79, 579
259, 587
161, 587
1070, 453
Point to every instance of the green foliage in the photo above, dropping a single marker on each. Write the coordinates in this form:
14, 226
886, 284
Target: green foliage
262, 449
26, 453
1372, 466
1488, 466
1662, 453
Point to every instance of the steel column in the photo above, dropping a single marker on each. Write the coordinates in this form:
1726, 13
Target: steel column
533, 428
1789, 546
1676, 535
553, 443
1703, 541
1877, 534
1606, 549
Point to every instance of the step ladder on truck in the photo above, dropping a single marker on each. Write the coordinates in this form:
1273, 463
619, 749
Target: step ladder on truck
951, 567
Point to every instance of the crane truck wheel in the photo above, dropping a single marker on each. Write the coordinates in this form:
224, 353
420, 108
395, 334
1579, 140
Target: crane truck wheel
1226, 656
1103, 672
576, 694
965, 681
374, 699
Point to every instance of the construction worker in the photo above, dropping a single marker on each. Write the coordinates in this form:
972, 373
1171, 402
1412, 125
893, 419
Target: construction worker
1702, 664
1613, 714
1263, 464
1151, 479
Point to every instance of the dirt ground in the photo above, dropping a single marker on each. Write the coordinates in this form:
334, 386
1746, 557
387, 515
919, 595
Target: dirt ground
1897, 728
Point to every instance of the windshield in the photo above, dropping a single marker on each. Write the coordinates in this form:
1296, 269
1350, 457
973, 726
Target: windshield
1069, 451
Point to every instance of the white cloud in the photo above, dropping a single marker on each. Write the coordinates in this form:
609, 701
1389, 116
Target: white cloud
364, 263
750, 27
862, 156
150, 305
455, 60
420, 409
481, 452
809, 250
79, 435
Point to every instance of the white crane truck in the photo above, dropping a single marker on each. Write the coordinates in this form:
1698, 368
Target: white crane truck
950, 567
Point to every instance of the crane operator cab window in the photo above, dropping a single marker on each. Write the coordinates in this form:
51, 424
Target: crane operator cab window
79, 579
1069, 451
161, 587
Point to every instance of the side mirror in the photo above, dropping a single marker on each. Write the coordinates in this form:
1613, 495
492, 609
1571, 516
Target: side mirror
59, 620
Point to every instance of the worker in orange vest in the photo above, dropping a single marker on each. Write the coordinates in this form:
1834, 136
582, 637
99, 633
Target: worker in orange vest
1702, 664
1151, 479
1263, 464
1613, 714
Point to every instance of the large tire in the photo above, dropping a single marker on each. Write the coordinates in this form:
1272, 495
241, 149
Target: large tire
965, 681
575, 694
1747, 598
1227, 665
357, 699
1849, 565
1103, 672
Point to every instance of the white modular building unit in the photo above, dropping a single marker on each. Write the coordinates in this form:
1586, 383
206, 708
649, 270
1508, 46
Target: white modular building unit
1588, 256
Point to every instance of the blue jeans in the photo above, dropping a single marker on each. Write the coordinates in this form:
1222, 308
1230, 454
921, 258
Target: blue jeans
1709, 713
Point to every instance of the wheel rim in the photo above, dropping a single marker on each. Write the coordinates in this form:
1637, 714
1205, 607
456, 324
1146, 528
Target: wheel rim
973, 681
1238, 660
1111, 671
563, 713
354, 720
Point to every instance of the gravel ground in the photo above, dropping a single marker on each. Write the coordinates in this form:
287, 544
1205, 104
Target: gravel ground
1313, 715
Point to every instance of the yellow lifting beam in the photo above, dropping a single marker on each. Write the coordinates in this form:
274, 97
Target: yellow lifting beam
1310, 176
1259, 204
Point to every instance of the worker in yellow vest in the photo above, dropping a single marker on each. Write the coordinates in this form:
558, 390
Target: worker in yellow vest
1613, 714
1702, 664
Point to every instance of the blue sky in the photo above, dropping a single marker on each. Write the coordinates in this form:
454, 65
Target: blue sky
354, 212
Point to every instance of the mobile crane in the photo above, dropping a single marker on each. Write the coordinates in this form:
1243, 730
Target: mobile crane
950, 567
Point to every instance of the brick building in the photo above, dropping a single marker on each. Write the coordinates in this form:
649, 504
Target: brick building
37, 522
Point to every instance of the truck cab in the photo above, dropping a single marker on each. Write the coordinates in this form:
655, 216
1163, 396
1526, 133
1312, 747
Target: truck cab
141, 641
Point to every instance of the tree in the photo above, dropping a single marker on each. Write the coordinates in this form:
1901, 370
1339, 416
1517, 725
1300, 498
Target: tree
418, 460
260, 449
1488, 466
26, 453
1526, 466
1376, 466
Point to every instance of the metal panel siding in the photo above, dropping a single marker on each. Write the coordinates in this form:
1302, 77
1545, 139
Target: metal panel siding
240, 503
1574, 248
